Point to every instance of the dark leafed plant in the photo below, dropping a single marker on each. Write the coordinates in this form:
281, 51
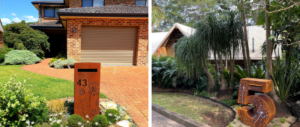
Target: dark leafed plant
283, 77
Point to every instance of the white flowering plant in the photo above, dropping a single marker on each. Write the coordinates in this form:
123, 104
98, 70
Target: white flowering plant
18, 104
58, 120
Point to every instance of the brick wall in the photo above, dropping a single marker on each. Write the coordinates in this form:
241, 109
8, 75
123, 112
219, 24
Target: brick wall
78, 3
1, 39
74, 39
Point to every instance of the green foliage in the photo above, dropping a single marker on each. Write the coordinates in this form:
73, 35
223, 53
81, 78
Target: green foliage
38, 52
74, 120
19, 46
53, 60
229, 102
100, 121
16, 57
165, 74
3, 51
283, 77
112, 115
61, 64
19, 33
18, 104
282, 120
203, 93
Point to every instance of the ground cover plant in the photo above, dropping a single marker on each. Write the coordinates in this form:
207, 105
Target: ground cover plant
194, 107
16, 57
3, 51
43, 86
63, 63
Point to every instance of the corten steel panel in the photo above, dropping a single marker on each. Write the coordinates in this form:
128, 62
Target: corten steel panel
264, 110
87, 89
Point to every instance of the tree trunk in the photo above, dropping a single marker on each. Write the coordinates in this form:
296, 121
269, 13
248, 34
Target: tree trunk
281, 109
217, 68
223, 80
245, 57
211, 83
232, 69
246, 40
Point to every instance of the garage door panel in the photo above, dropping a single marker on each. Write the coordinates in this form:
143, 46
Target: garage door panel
108, 45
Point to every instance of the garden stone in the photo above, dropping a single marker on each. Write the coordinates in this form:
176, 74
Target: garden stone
109, 105
123, 123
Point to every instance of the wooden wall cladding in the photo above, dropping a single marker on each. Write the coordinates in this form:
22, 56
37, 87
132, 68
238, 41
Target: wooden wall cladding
87, 89
252, 91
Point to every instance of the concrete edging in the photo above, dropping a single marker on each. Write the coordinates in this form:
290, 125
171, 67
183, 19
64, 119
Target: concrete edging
183, 120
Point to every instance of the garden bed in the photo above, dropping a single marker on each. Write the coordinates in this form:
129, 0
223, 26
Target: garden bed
199, 109
276, 122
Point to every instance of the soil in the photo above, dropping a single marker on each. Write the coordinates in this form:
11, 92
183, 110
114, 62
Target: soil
297, 124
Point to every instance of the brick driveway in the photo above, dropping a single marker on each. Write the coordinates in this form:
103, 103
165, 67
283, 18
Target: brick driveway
126, 85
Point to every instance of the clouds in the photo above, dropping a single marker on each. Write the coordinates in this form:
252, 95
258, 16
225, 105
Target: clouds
5, 21
16, 19
13, 14
30, 18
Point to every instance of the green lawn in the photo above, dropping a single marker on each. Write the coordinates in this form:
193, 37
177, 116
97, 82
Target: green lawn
45, 86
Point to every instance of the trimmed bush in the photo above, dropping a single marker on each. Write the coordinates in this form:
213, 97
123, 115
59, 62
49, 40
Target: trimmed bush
112, 115
61, 64
38, 52
100, 121
74, 119
16, 57
18, 105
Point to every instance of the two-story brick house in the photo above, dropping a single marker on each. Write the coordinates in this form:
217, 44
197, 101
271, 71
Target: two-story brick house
113, 32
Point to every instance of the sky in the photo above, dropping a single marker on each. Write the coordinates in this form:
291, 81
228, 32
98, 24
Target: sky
17, 10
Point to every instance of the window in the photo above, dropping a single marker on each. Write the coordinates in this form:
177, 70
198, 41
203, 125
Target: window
141, 2
92, 3
51, 12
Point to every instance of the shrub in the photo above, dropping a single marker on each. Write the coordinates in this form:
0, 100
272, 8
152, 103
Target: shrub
100, 121
30, 38
4, 50
74, 119
38, 52
61, 64
21, 57
19, 46
18, 105
203, 93
57, 106
112, 115
53, 60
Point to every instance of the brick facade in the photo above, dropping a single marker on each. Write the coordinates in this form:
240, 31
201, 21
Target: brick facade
75, 3
74, 39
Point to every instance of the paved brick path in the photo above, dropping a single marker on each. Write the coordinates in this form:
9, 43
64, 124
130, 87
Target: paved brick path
126, 85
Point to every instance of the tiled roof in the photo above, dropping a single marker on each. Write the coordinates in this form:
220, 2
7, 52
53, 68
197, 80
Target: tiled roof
127, 9
50, 24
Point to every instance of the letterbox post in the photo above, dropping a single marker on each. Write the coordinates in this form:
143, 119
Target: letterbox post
86, 89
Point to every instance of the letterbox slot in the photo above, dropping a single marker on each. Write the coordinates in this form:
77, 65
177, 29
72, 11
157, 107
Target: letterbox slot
87, 70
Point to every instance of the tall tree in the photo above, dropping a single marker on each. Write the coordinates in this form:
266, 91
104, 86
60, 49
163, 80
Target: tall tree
157, 14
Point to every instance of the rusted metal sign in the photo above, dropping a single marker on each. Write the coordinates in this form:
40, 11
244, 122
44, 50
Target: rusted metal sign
252, 91
86, 89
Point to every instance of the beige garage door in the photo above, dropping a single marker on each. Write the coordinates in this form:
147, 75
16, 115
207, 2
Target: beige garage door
108, 45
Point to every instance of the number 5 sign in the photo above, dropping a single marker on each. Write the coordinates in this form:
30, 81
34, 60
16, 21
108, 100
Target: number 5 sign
252, 91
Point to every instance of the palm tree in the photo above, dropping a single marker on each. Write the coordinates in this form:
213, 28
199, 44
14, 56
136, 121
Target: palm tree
157, 14
220, 35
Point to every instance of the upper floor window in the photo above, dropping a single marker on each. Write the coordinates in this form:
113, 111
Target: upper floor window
141, 2
51, 12
92, 3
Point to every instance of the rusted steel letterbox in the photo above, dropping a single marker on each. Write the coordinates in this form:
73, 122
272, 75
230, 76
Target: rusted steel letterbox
264, 110
86, 89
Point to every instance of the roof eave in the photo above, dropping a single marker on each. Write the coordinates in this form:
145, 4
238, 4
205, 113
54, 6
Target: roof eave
48, 27
102, 14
